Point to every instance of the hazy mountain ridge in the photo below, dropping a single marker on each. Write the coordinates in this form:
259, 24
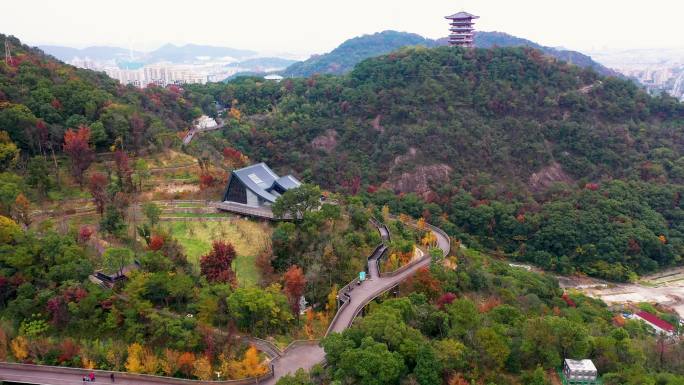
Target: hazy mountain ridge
502, 39
66, 54
168, 52
343, 58
266, 62
189, 52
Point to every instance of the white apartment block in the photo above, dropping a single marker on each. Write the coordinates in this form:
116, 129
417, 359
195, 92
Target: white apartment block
159, 74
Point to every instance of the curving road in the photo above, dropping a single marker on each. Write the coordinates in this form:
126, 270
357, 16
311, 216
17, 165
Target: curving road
302, 356
307, 356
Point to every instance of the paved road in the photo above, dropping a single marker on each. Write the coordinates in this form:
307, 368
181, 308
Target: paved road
307, 356
75, 377
304, 356
195, 130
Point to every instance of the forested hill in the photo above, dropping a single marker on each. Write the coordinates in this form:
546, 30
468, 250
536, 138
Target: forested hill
343, 58
40, 98
517, 152
502, 39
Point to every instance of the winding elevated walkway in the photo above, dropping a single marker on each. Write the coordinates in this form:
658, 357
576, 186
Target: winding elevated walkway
354, 297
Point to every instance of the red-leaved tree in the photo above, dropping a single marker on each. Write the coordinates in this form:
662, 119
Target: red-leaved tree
84, 234
295, 282
234, 156
124, 171
156, 242
137, 124
445, 299
77, 146
216, 266
206, 181
97, 184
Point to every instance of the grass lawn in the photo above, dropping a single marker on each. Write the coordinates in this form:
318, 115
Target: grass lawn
194, 215
249, 239
190, 205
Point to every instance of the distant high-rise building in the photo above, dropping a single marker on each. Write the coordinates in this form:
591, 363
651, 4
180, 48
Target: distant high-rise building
462, 30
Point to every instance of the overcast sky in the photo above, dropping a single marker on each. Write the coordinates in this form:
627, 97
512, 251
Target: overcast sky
304, 27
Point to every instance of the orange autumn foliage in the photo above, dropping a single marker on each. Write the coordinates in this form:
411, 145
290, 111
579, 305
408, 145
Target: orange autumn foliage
429, 240
457, 379
156, 242
489, 304
249, 366
186, 363
308, 326
20, 348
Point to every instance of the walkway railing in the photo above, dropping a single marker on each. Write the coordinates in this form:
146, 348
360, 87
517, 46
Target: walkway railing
104, 374
259, 212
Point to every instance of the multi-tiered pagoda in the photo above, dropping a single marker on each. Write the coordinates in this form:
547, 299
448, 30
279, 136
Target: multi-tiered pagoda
462, 30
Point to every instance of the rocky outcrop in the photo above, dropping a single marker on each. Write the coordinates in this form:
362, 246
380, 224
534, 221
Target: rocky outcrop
375, 123
401, 159
325, 142
547, 176
420, 180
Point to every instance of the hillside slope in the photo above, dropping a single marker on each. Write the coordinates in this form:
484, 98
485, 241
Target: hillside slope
41, 97
501, 39
343, 58
544, 161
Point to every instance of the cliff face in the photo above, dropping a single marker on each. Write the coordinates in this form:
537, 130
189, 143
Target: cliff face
421, 180
547, 176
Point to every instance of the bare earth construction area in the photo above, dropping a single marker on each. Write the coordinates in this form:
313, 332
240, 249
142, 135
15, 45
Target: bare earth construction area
664, 288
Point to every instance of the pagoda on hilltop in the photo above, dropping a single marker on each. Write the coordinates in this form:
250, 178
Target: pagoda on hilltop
462, 30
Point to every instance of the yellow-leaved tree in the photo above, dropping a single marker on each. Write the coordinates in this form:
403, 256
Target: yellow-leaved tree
202, 369
134, 363
20, 348
150, 362
308, 326
429, 240
331, 305
385, 213
87, 362
250, 366
169, 364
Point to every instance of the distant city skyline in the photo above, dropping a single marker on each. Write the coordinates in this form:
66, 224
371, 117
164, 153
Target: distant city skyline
305, 27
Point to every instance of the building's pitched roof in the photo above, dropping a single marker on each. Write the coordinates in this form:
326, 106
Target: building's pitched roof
260, 179
462, 15
653, 319
288, 182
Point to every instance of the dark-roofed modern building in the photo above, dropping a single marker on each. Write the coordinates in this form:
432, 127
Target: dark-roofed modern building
257, 186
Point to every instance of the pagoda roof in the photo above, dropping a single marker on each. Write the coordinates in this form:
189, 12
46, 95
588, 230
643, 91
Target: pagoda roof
462, 15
